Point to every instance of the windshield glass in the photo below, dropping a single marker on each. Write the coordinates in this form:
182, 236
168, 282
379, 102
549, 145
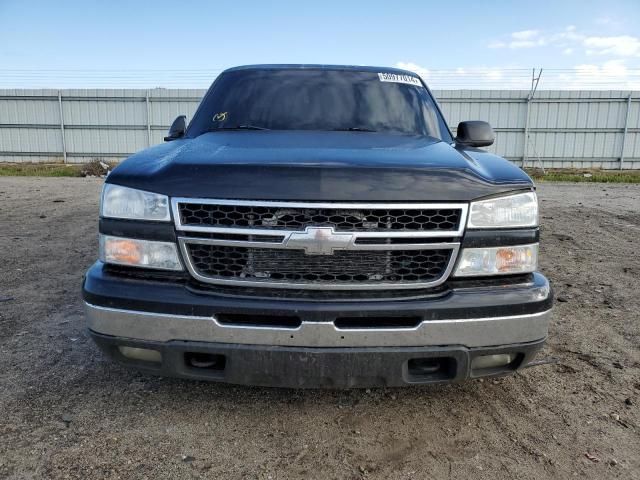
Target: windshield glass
319, 99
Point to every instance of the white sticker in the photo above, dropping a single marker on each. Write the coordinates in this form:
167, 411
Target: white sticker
399, 78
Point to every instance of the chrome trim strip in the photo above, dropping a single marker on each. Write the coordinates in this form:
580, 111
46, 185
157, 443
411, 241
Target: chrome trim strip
464, 207
352, 245
469, 332
274, 232
183, 241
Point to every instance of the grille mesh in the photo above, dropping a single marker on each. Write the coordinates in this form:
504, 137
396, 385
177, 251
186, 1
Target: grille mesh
355, 266
276, 218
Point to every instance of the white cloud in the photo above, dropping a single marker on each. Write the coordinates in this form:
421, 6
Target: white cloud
478, 77
423, 72
622, 45
525, 34
521, 39
612, 74
523, 44
612, 68
569, 34
494, 74
569, 39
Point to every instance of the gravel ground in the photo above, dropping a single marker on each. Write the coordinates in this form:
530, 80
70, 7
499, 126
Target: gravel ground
66, 412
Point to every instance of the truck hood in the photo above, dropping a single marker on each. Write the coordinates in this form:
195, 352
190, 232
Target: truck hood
323, 166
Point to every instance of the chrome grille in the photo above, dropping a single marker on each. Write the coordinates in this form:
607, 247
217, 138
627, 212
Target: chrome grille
312, 245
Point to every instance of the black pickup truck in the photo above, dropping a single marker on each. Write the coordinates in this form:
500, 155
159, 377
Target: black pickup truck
319, 226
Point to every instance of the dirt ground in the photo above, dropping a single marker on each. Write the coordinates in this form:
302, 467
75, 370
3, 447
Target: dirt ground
66, 412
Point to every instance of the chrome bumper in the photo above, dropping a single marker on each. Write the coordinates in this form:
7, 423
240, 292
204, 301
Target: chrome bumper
472, 332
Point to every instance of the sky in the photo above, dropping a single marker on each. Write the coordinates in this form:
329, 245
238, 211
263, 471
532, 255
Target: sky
461, 44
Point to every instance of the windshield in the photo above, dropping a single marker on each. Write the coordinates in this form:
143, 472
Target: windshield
319, 99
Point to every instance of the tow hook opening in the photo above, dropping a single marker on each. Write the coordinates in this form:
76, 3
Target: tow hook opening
205, 361
431, 368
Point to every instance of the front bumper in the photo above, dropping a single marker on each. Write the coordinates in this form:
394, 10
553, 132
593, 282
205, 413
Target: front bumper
452, 329
302, 367
468, 332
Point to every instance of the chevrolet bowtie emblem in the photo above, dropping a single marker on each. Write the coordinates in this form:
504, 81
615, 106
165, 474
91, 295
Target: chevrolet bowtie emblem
319, 240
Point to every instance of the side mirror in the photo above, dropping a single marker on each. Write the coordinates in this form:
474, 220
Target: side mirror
475, 133
177, 129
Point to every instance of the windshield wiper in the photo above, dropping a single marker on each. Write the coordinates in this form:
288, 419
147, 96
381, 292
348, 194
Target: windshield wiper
238, 127
353, 129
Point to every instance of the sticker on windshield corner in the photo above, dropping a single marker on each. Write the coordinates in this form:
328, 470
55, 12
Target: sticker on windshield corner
399, 78
220, 117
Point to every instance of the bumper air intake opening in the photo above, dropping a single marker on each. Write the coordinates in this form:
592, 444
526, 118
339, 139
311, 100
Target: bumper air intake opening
430, 369
205, 361
346, 323
281, 321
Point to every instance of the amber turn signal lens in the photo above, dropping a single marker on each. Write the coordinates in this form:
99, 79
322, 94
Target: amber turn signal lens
124, 251
508, 259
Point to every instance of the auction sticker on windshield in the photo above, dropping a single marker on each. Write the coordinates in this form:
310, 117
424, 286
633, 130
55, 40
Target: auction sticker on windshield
399, 78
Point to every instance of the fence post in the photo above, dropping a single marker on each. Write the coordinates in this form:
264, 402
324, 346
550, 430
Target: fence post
525, 143
624, 132
148, 119
64, 143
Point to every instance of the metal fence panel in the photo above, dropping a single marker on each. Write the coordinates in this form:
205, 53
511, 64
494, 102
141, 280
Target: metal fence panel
557, 128
82, 111
96, 142
25, 139
33, 112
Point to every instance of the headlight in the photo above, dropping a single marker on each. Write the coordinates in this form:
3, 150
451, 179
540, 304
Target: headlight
139, 253
132, 204
475, 262
520, 210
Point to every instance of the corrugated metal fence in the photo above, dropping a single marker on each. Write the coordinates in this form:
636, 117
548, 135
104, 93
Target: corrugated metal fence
599, 129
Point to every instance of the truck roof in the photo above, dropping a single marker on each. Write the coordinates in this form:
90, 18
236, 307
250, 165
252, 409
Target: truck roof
310, 66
